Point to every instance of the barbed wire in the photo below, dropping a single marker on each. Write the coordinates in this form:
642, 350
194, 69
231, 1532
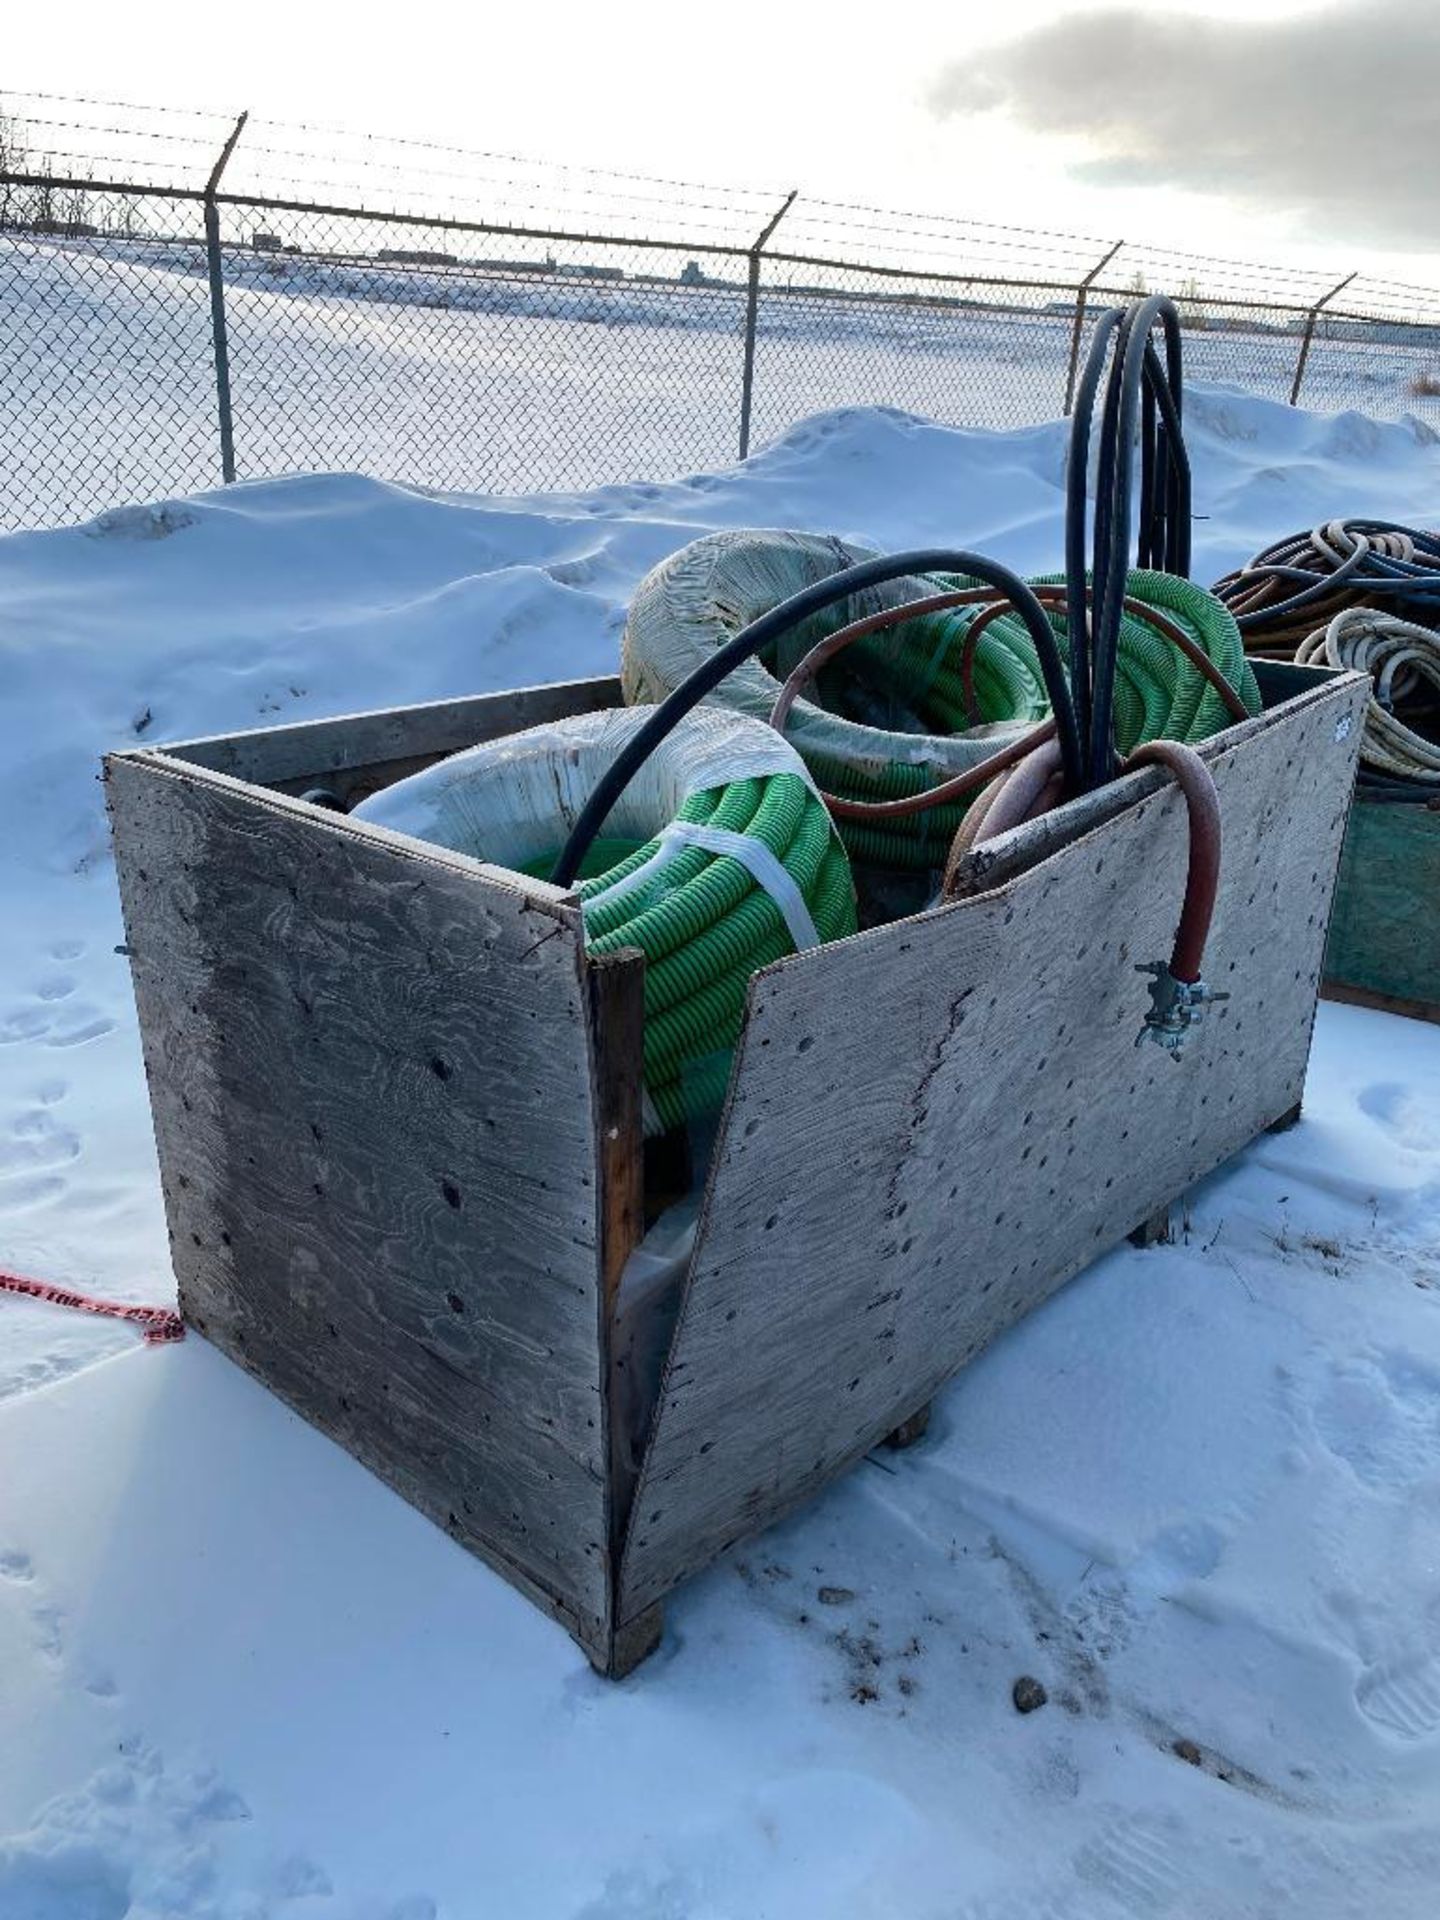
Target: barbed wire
608, 206
405, 141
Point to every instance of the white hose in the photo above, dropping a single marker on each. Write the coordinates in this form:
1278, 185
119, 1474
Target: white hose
1397, 655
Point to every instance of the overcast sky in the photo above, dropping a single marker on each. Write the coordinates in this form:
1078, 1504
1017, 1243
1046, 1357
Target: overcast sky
1293, 133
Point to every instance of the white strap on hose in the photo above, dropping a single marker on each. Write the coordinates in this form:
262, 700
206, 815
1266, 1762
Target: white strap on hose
757, 859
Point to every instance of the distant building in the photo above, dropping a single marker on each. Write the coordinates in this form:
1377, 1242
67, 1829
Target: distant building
265, 243
583, 271
691, 274
402, 257
547, 265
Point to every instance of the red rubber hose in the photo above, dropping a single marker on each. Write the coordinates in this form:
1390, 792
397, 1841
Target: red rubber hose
1202, 878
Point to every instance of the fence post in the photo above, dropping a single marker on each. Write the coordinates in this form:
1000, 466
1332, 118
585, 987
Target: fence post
752, 314
217, 303
1079, 326
1309, 335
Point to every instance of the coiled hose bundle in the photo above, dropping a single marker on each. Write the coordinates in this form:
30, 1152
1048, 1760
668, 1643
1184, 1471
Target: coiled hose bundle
867, 738
1364, 594
718, 861
1075, 750
940, 692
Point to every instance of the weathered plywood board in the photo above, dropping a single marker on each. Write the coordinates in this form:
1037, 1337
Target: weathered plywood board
931, 1126
1385, 935
358, 753
996, 860
371, 1080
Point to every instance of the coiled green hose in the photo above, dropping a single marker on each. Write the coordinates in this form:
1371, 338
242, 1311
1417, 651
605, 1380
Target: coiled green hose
1158, 694
888, 718
700, 909
705, 926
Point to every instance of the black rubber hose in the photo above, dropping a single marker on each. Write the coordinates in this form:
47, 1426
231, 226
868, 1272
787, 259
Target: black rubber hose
1077, 473
1112, 494
789, 613
1381, 574
1134, 359
1165, 517
1087, 569
1127, 381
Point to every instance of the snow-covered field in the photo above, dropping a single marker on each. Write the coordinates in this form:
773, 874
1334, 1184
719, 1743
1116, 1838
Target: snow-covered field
1197, 1496
442, 377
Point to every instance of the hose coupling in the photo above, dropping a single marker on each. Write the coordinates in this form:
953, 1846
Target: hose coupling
1175, 1007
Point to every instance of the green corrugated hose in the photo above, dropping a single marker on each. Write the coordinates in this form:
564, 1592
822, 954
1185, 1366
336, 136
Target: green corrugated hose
1158, 694
704, 926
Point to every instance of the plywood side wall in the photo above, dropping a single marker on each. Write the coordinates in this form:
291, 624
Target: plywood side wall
934, 1124
372, 1089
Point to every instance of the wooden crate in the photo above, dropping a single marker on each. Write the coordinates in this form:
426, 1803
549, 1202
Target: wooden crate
399, 1129
1384, 946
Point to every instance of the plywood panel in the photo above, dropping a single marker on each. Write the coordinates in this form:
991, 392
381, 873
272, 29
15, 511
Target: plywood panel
934, 1124
358, 753
372, 1088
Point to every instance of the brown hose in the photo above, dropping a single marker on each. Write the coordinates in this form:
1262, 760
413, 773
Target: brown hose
1335, 548
958, 787
971, 826
1033, 787
823, 650
1023, 780
965, 783
1015, 796
1202, 877
1024, 785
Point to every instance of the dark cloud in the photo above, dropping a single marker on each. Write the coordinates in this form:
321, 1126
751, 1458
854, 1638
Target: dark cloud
1332, 117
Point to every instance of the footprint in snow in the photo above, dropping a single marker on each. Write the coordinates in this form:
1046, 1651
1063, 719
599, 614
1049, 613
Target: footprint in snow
1133, 1860
47, 1622
1402, 1695
1410, 1116
34, 1159
37, 1140
53, 1022
138, 1837
1381, 1417
1108, 1606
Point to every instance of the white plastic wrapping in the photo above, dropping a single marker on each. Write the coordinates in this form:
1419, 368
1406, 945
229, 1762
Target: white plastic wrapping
700, 597
646, 1303
757, 859
513, 800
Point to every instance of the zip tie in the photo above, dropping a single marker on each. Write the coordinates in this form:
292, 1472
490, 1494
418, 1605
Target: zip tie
760, 863
161, 1324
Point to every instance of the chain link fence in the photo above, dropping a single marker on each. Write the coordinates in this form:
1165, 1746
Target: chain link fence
159, 341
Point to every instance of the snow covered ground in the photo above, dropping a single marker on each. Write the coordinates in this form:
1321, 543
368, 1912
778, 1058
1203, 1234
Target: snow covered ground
1197, 1496
468, 379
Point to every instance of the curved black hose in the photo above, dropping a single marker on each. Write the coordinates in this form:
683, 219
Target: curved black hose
1077, 473
1382, 573
1142, 392
1166, 527
789, 613
1112, 501
1131, 368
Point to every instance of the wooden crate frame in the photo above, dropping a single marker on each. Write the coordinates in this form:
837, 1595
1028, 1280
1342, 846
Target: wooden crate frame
398, 1119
